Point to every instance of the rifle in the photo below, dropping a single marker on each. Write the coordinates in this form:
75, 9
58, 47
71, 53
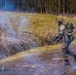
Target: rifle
57, 39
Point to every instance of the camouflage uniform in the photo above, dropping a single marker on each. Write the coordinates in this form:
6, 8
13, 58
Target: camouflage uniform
67, 39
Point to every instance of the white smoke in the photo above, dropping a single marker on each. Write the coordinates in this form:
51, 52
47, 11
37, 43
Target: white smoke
12, 40
8, 34
23, 23
6, 26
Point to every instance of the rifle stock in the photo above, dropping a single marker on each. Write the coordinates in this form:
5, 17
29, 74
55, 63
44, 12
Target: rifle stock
57, 38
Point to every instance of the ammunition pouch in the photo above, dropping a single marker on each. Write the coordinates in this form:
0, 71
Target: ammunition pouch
70, 34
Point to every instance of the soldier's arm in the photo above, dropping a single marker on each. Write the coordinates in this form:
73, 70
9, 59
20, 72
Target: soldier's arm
74, 30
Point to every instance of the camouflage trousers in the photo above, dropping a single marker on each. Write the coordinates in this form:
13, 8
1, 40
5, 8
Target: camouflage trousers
65, 49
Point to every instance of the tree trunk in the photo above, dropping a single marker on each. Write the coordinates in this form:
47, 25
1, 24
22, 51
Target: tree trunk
63, 6
59, 6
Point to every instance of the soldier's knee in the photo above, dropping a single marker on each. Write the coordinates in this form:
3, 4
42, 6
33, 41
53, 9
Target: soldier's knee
65, 50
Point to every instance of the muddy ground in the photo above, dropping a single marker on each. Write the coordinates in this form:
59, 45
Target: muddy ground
38, 62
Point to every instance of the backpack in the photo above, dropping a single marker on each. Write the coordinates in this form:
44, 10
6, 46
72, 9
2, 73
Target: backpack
69, 27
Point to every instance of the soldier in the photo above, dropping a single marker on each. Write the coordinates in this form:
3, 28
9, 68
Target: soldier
66, 32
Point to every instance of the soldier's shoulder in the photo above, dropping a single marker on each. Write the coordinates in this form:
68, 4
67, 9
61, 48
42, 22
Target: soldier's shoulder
64, 24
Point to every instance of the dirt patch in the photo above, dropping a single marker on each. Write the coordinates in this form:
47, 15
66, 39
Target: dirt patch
34, 62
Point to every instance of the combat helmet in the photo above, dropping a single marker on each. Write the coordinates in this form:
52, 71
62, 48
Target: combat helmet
60, 21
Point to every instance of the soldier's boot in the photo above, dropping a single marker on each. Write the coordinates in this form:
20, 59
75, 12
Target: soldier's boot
67, 63
71, 53
75, 57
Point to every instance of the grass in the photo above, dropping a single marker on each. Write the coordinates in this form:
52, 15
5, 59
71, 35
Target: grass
45, 25
34, 51
42, 25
